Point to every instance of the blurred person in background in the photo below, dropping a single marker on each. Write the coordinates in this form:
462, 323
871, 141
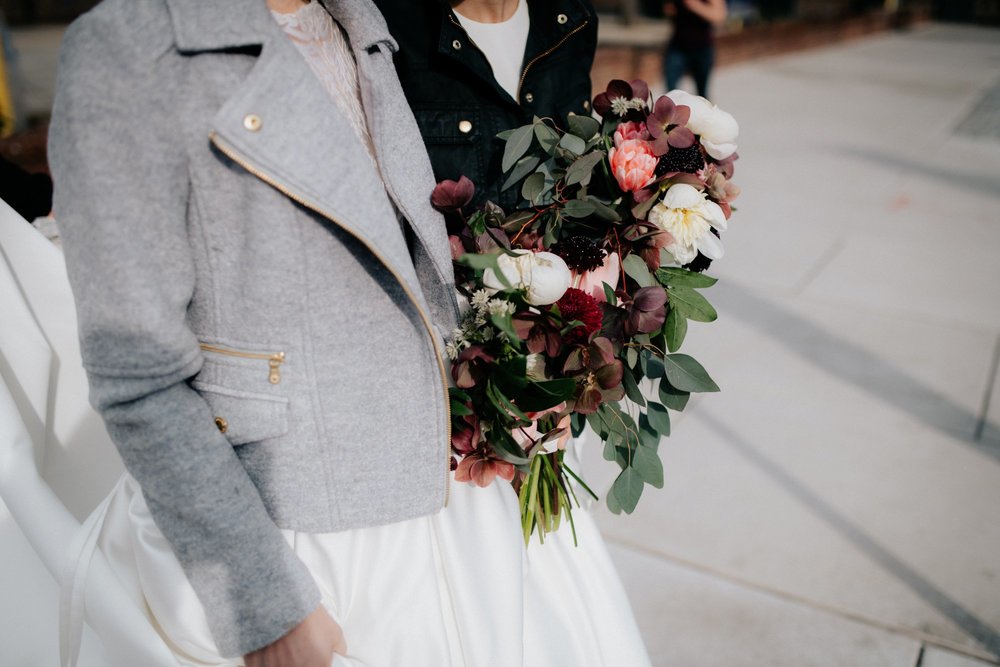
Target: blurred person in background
691, 49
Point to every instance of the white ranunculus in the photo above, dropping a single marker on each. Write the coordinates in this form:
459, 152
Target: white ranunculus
543, 276
689, 216
717, 129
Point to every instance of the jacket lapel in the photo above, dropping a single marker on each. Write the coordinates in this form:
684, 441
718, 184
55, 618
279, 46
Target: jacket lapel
281, 126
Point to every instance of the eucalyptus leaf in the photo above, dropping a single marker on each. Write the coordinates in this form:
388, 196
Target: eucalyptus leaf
577, 208
584, 127
636, 269
692, 304
673, 398
648, 437
649, 466
627, 489
522, 168
675, 329
675, 277
686, 374
583, 168
597, 425
533, 186
631, 356
612, 504
517, 145
604, 211
548, 138
658, 418
573, 144
505, 135
654, 367
632, 388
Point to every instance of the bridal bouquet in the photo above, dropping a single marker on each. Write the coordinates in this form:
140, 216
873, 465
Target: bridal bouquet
581, 298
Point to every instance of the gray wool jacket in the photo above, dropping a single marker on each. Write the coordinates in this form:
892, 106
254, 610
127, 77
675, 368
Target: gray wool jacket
258, 329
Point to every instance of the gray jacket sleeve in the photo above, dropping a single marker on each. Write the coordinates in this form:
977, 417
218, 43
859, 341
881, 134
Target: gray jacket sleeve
121, 198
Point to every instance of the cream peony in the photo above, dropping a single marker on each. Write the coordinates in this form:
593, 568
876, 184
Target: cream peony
543, 276
716, 128
689, 216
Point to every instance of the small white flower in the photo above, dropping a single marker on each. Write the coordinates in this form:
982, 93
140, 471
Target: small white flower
543, 275
716, 128
689, 216
480, 298
451, 350
499, 307
621, 106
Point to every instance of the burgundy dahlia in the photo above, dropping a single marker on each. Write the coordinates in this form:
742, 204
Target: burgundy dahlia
578, 305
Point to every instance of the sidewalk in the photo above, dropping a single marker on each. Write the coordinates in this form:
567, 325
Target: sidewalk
837, 504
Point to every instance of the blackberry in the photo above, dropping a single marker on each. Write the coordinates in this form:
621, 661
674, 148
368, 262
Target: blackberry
580, 253
688, 160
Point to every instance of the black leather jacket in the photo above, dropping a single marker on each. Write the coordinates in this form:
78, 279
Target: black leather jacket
458, 104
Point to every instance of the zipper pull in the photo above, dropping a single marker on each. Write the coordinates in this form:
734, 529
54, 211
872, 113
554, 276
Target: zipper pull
274, 363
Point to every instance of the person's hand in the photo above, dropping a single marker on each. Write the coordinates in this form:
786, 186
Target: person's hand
311, 643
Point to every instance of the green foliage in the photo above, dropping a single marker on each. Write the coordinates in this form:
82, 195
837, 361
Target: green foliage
686, 374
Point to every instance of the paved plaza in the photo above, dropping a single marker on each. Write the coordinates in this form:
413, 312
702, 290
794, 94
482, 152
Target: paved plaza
838, 504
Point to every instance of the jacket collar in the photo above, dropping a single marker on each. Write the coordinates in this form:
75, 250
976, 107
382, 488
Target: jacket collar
214, 25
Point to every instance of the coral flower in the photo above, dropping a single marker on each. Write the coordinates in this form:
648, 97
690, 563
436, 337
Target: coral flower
630, 130
633, 164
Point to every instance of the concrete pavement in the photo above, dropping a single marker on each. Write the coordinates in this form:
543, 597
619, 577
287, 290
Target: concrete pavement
837, 503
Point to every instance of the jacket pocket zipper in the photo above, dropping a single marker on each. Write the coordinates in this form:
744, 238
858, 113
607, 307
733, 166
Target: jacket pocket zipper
274, 360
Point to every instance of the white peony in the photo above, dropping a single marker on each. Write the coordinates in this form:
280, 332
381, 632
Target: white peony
689, 216
716, 128
543, 276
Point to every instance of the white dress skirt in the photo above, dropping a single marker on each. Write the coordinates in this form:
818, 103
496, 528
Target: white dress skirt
453, 589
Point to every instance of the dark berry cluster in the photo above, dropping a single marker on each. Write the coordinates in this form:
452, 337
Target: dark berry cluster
580, 253
688, 160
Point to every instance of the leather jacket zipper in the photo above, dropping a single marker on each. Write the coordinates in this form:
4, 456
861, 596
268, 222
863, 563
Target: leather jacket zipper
273, 182
274, 360
524, 72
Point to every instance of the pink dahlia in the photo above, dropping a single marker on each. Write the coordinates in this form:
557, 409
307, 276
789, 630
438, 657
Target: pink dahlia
633, 164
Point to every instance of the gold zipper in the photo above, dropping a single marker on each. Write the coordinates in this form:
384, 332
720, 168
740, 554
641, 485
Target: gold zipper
274, 360
235, 157
541, 55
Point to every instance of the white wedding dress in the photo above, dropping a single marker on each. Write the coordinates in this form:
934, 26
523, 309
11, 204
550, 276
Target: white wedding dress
454, 589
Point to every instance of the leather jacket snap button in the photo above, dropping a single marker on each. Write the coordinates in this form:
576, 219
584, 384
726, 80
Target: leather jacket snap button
464, 126
529, 98
561, 19
457, 45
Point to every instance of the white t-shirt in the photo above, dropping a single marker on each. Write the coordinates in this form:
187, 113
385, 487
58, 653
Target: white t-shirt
503, 44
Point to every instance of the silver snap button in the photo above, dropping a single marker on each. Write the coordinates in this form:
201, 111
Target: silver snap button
464, 126
561, 19
252, 122
529, 98
457, 45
